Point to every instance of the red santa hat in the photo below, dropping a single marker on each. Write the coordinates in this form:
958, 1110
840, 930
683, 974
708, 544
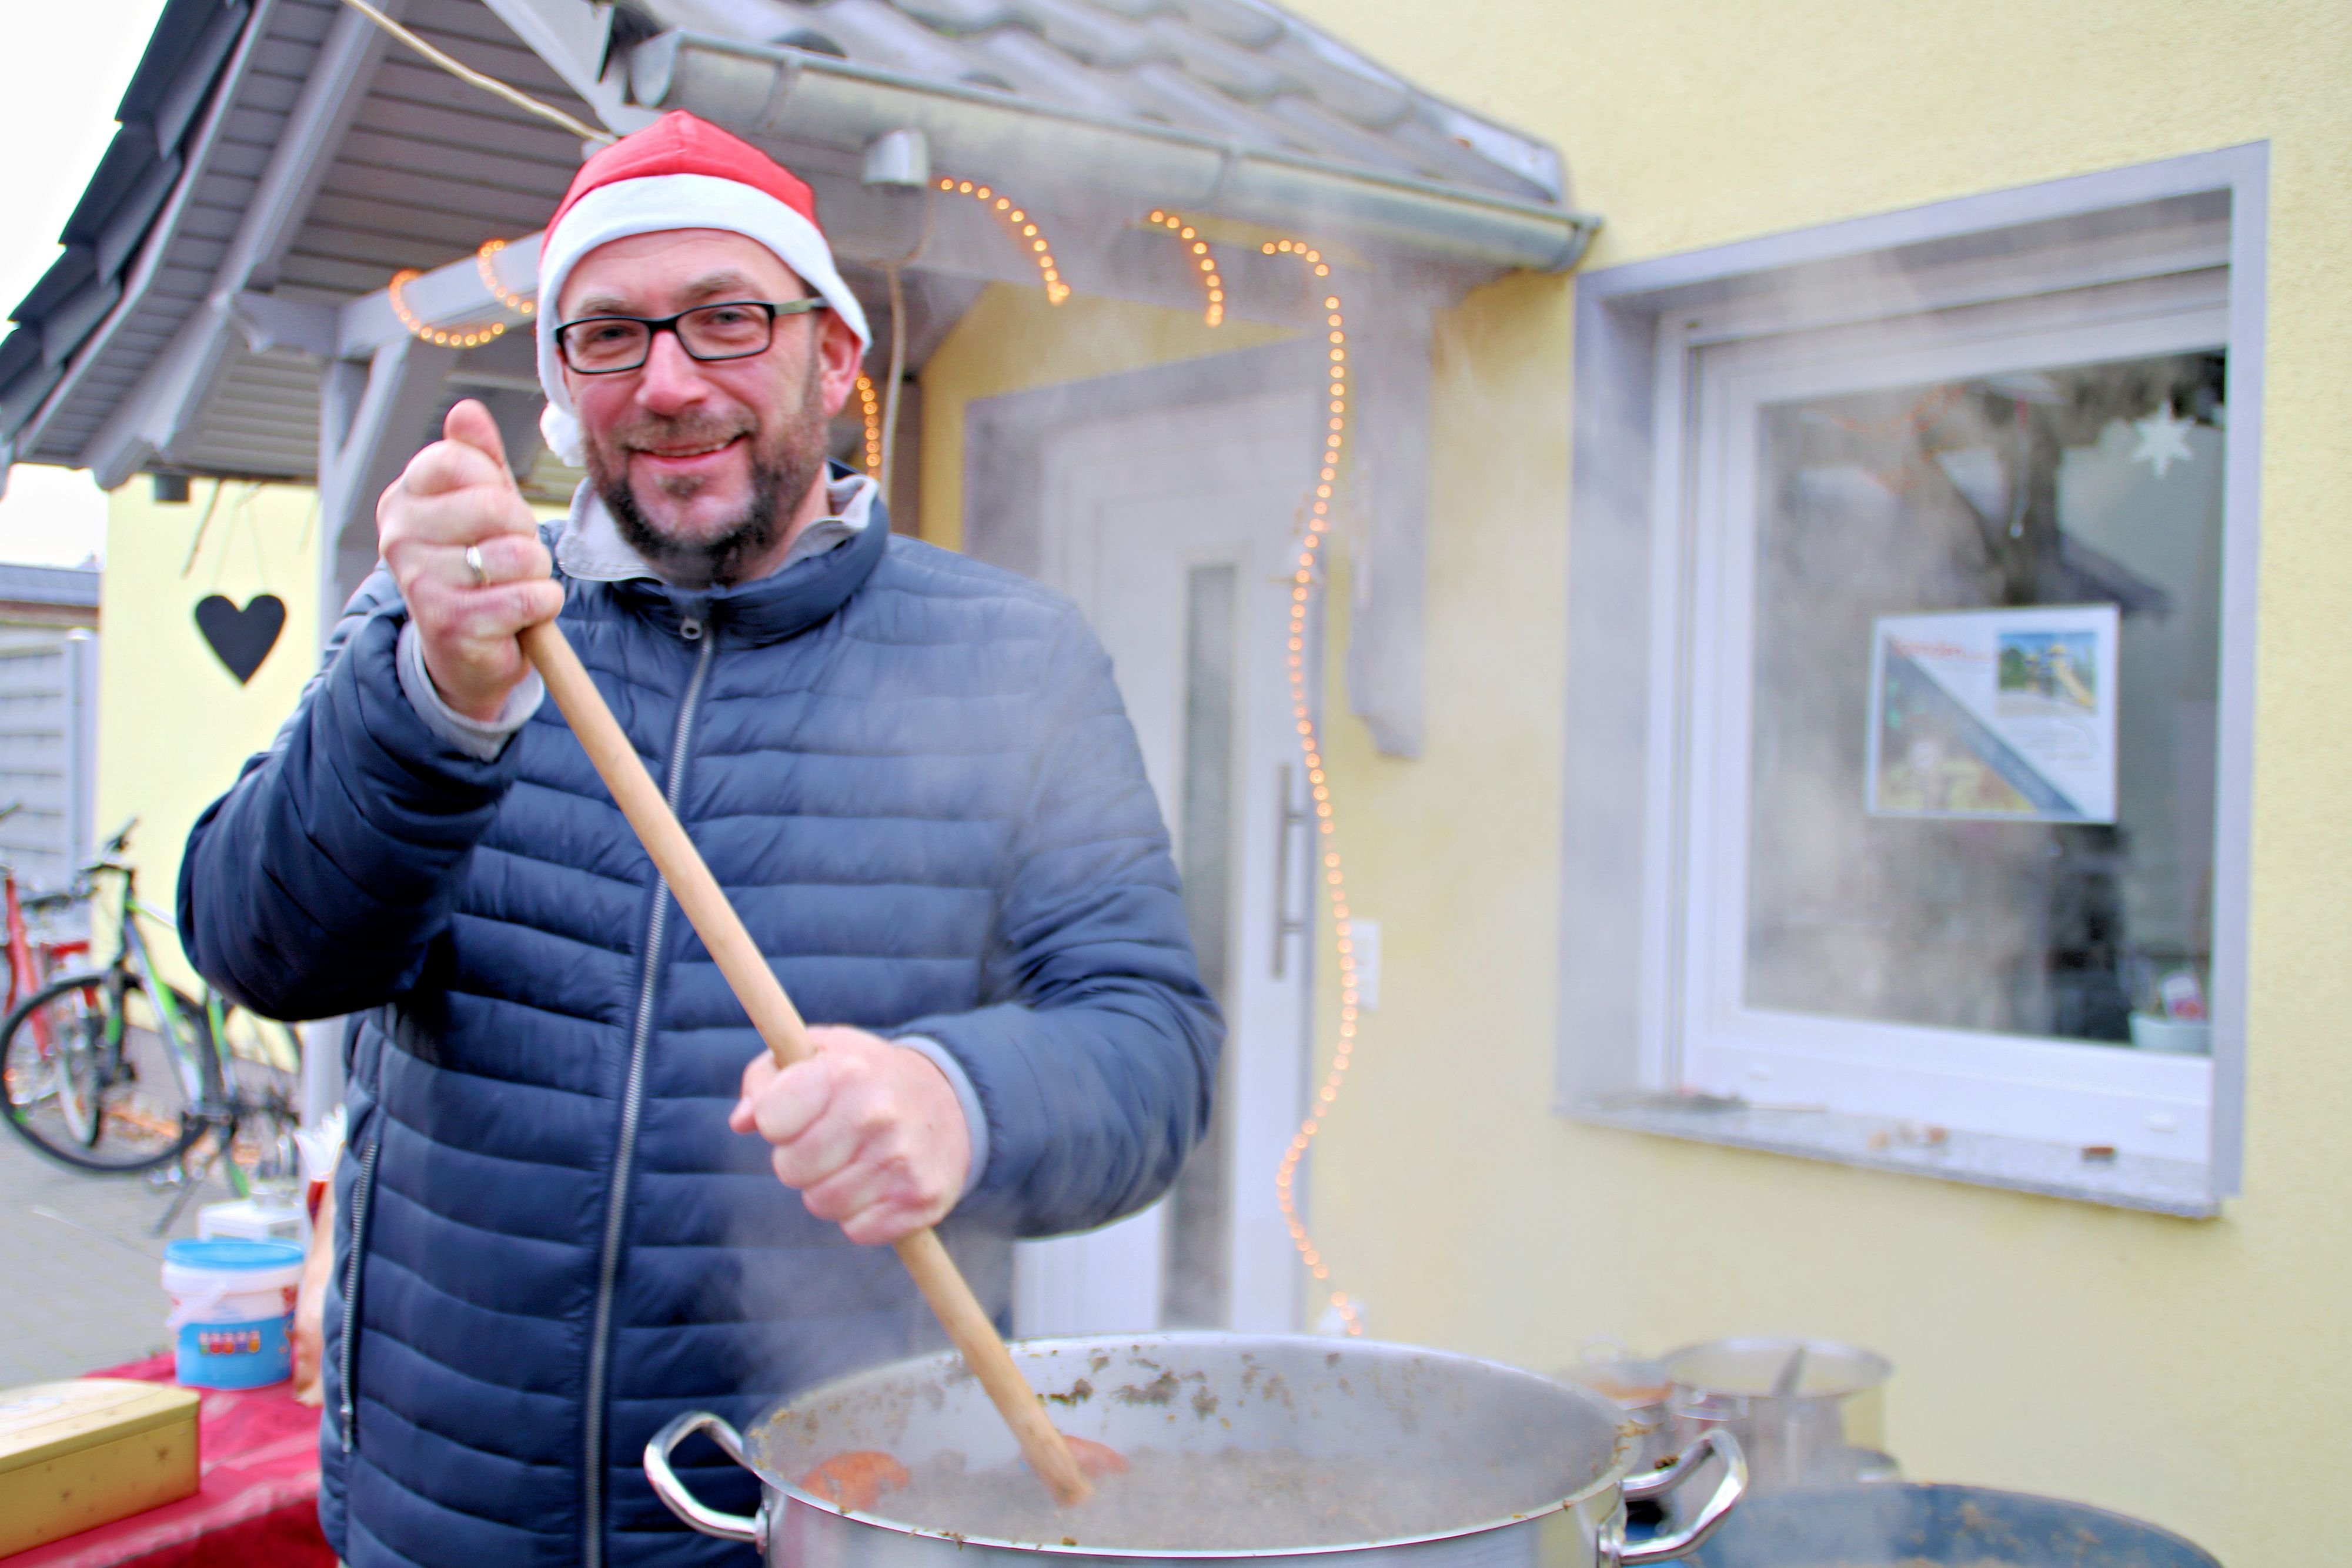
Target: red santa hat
679, 172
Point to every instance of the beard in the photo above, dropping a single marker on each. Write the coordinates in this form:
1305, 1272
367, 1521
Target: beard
784, 467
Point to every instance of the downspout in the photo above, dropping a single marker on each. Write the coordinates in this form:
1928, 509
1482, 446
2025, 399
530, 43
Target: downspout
770, 90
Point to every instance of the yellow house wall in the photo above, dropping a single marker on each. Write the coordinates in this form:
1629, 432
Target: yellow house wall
2175, 1370
2190, 1372
174, 724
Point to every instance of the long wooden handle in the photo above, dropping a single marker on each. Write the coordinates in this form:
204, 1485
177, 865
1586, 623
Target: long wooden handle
778, 1022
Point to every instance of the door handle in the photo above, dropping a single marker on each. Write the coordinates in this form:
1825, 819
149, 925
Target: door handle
1286, 817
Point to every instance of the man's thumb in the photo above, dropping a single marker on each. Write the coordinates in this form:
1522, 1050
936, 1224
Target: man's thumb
471, 423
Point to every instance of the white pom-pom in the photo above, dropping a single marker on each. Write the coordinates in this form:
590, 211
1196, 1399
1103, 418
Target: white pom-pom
561, 431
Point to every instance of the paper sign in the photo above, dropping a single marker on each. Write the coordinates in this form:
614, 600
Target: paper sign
2000, 715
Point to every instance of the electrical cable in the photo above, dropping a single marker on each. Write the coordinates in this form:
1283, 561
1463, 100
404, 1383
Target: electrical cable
891, 271
898, 377
491, 84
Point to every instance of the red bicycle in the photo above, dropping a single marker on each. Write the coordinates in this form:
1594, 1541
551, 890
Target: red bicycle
32, 963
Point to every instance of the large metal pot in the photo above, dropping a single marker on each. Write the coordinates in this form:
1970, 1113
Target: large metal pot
1204, 1393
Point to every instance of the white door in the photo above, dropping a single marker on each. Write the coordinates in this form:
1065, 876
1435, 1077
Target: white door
1177, 534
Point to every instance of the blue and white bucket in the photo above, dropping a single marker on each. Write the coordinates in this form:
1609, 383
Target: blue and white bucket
233, 1310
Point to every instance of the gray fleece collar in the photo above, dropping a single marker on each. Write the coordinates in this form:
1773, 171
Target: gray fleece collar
589, 547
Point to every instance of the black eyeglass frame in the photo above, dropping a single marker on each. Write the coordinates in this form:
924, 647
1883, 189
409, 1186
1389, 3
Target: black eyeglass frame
656, 327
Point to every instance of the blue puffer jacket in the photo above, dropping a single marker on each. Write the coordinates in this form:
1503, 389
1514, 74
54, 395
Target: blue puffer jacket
915, 779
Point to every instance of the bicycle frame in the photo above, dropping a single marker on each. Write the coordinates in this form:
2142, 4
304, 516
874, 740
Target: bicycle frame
133, 958
24, 976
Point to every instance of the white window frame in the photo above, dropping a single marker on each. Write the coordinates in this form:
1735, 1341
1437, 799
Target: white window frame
1682, 352
2079, 1094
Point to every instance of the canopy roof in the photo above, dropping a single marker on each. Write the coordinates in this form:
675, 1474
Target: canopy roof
279, 159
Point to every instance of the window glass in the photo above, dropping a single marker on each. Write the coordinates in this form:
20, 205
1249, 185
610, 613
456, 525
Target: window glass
1986, 662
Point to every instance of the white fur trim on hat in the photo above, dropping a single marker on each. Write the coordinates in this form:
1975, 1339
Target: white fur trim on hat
649, 205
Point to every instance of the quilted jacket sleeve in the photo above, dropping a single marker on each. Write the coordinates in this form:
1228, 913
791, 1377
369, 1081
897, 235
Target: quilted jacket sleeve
1097, 1061
316, 884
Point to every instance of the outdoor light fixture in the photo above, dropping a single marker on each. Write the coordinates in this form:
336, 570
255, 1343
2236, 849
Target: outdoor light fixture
900, 159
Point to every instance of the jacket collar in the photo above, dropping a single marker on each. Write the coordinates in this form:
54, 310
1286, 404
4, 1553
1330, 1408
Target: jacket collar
830, 560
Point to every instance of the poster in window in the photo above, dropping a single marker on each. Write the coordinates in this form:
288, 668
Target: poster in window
1995, 715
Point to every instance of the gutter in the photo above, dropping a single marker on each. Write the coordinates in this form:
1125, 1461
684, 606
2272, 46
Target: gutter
764, 89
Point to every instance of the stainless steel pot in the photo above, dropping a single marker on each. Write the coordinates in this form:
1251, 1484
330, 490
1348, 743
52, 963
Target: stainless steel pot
1204, 1393
1807, 1413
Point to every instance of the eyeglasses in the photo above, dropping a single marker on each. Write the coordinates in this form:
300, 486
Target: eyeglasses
738, 329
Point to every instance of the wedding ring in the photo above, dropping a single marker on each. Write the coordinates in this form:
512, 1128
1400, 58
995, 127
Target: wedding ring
474, 564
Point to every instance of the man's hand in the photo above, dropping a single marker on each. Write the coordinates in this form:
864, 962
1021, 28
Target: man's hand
869, 1131
455, 494
309, 1331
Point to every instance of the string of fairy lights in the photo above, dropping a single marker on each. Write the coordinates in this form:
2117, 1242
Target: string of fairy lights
1212, 281
1303, 579
1024, 228
486, 263
1021, 224
467, 337
869, 405
1310, 745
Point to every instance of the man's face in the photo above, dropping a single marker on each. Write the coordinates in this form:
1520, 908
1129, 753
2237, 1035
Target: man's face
705, 464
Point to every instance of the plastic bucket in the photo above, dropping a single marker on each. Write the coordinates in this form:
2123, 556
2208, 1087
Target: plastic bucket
233, 1310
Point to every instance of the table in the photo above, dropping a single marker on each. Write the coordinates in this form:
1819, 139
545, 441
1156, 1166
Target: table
257, 1506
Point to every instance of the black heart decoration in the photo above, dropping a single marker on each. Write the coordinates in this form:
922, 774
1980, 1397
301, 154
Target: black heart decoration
241, 639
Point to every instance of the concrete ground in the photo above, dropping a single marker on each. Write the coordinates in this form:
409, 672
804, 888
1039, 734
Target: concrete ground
80, 1275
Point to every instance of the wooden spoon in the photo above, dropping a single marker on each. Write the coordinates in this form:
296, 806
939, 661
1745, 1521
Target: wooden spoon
778, 1022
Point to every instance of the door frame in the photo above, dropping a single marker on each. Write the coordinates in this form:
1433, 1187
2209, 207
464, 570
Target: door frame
1008, 506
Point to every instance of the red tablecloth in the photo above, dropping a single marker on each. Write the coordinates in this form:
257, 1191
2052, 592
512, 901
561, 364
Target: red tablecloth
258, 1505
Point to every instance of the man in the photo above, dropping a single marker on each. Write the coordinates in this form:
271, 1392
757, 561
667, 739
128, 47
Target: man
911, 773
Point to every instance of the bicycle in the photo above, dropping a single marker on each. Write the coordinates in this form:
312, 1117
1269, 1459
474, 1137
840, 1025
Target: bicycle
111, 1070
32, 961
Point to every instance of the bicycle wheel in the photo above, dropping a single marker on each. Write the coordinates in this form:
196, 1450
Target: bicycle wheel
93, 1080
79, 1069
264, 1061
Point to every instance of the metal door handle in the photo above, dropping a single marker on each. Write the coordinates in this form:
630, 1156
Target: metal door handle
1286, 817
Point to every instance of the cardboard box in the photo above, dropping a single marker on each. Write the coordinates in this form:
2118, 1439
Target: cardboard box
74, 1455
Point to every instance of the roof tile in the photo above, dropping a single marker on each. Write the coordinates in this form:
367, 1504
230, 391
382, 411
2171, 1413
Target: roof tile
961, 17
1249, 26
1247, 76
1185, 102
1090, 36
1043, 71
1353, 95
876, 34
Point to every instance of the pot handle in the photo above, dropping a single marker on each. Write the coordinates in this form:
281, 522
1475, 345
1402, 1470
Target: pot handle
1716, 1443
697, 1513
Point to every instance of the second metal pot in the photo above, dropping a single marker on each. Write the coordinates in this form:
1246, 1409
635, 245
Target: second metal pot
1205, 1392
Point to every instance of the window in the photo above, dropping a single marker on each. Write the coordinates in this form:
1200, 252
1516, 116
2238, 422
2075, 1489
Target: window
1940, 693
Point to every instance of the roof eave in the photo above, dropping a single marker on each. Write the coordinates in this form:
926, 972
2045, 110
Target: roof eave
771, 91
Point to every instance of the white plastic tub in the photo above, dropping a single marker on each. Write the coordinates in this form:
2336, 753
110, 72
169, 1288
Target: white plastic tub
233, 1310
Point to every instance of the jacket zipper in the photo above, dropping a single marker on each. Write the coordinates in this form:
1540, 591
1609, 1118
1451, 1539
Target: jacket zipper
616, 1207
347, 1358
